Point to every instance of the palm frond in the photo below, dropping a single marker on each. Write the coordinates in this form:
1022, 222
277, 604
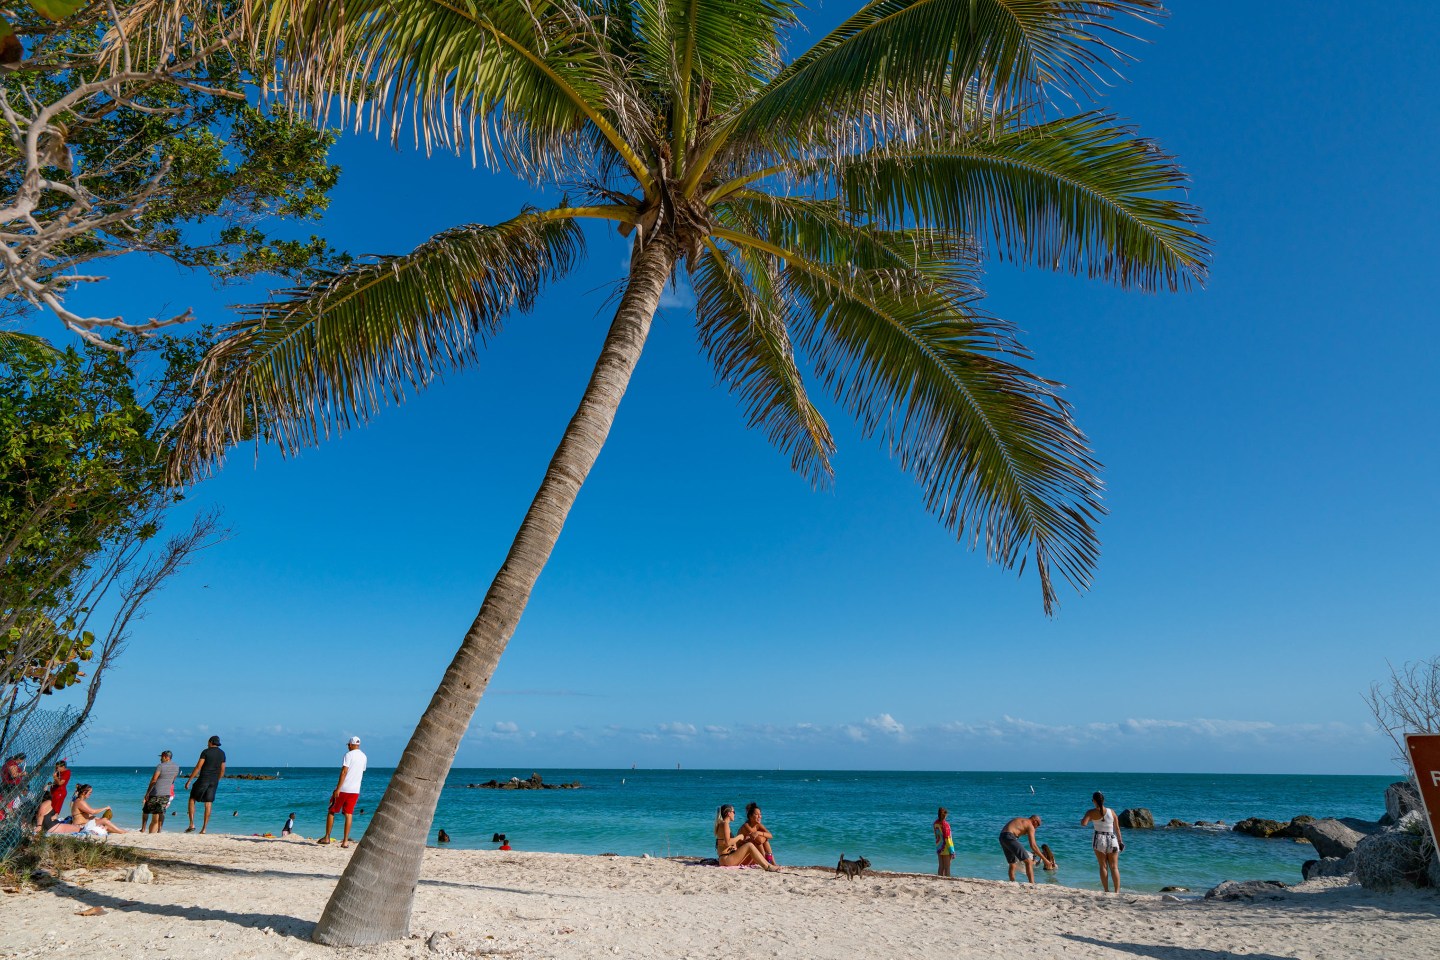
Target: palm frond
328, 356
992, 445
1081, 194
14, 344
878, 61
743, 322
529, 82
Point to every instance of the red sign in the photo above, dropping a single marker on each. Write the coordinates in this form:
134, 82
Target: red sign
1425, 760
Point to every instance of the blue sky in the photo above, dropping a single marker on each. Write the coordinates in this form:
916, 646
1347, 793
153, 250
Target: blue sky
1270, 460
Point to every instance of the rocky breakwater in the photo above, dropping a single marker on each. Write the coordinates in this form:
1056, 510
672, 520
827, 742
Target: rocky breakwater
251, 776
536, 782
1391, 853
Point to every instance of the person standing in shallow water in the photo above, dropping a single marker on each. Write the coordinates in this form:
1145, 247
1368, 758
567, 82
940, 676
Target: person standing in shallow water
944, 842
1107, 843
1010, 836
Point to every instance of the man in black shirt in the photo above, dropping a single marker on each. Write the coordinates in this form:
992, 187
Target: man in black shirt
207, 774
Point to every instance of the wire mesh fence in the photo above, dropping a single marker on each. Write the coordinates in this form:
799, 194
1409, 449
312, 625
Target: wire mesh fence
30, 744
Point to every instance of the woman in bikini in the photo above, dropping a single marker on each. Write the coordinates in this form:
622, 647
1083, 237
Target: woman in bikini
1107, 842
944, 842
756, 832
733, 851
81, 812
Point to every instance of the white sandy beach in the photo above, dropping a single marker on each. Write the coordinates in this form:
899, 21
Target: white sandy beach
243, 897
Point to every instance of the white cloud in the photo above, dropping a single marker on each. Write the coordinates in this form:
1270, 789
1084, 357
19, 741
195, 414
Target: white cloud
505, 726
682, 730
887, 725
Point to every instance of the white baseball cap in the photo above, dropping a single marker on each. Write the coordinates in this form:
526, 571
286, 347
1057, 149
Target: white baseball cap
354, 741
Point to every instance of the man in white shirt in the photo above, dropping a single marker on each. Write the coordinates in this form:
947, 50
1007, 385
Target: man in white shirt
347, 791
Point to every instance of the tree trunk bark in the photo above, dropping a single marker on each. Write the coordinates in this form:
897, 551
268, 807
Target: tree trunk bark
372, 902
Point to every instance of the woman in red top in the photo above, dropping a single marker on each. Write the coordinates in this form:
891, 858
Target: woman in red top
62, 784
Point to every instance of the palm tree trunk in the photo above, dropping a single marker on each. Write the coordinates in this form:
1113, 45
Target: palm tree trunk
372, 902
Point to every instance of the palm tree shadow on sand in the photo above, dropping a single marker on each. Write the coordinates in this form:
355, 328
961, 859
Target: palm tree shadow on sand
1160, 951
278, 924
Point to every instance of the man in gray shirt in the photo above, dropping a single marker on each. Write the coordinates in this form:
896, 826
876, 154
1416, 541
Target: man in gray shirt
157, 794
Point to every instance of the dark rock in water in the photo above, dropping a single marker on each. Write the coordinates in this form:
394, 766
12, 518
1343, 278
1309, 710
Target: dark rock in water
1332, 838
1137, 819
1174, 889
1247, 890
1258, 827
1400, 799
1328, 867
250, 776
1176, 825
1295, 829
515, 783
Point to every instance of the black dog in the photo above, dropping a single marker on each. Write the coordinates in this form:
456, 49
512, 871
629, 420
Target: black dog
852, 868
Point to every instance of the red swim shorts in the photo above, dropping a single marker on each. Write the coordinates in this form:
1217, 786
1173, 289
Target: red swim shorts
344, 803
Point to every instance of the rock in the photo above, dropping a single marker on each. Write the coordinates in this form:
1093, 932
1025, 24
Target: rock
1331, 838
515, 783
1363, 827
1258, 827
1295, 828
1174, 889
1395, 858
438, 941
1176, 825
139, 874
70, 876
1328, 867
1137, 819
1171, 898
1247, 890
1400, 799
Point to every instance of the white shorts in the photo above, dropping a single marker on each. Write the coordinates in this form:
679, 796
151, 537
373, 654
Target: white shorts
1106, 842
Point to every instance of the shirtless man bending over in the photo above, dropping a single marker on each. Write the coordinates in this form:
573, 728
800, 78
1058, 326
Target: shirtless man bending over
1010, 836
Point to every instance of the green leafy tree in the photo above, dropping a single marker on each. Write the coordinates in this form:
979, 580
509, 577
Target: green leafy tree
129, 131
83, 496
832, 207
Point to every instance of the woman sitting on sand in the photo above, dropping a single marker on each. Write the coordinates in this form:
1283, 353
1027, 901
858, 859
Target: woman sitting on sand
756, 832
81, 813
45, 813
732, 851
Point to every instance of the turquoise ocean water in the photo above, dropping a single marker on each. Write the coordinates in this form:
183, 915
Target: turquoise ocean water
818, 815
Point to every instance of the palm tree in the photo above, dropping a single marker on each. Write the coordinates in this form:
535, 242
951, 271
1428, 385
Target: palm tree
834, 207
